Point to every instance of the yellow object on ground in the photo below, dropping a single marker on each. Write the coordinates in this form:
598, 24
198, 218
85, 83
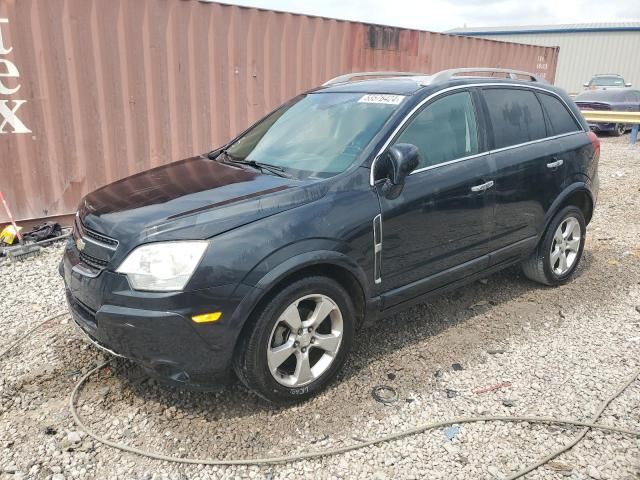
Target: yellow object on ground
9, 235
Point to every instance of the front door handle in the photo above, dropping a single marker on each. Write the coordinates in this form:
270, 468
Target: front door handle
556, 164
483, 187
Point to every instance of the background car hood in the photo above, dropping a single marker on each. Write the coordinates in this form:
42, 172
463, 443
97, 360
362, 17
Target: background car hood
193, 198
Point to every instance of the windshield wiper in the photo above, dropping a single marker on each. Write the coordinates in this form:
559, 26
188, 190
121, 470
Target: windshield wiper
273, 169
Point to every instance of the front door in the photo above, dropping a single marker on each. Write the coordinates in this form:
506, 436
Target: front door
443, 219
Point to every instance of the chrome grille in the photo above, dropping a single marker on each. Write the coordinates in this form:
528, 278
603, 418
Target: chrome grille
93, 261
95, 249
81, 230
100, 238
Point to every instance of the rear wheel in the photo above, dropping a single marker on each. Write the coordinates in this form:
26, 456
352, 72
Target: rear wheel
559, 252
298, 342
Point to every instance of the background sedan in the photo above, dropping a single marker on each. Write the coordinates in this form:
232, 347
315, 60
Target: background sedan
606, 81
622, 100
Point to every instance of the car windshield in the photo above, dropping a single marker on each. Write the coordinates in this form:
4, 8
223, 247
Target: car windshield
607, 81
317, 135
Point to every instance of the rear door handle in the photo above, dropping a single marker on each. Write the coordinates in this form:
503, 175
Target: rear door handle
483, 187
556, 164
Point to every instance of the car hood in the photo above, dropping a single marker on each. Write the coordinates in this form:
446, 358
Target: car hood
190, 199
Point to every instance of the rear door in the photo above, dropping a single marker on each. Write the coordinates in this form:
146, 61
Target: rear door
520, 153
444, 216
572, 148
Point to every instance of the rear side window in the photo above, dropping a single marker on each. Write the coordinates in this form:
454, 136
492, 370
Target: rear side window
560, 118
516, 116
445, 130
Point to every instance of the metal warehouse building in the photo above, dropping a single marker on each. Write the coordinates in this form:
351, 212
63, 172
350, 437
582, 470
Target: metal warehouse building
585, 49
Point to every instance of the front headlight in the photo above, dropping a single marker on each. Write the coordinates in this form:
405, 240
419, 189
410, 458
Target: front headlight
163, 267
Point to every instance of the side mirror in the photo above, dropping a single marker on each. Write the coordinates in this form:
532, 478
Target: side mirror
585, 85
403, 158
627, 84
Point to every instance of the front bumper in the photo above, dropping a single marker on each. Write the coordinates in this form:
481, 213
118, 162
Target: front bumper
155, 329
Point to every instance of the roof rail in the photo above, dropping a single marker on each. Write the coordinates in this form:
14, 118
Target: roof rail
350, 76
445, 75
441, 76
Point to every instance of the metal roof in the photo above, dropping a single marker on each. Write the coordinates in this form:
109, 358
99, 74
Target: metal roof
559, 28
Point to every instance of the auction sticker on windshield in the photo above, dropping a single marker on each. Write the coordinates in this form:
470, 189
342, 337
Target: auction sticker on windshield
378, 98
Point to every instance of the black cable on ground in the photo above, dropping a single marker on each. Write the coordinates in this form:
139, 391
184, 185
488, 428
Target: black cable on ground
339, 450
387, 438
23, 337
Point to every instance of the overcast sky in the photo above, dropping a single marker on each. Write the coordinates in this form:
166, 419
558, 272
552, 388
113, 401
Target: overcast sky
441, 15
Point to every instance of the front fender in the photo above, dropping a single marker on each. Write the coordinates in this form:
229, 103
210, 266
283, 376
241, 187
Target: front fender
264, 285
319, 257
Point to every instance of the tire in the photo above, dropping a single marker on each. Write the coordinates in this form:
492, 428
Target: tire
619, 129
283, 379
546, 267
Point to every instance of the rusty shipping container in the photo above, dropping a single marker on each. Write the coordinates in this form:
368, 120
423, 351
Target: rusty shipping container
94, 90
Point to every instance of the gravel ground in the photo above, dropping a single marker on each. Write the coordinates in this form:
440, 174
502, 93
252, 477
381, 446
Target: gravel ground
561, 352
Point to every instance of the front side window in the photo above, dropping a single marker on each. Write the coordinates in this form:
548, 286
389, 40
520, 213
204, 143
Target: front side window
445, 130
516, 116
559, 117
317, 135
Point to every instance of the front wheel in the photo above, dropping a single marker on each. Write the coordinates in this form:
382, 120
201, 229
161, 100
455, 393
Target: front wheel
619, 129
299, 341
559, 252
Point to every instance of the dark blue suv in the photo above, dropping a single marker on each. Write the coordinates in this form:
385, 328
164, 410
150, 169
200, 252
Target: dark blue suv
344, 205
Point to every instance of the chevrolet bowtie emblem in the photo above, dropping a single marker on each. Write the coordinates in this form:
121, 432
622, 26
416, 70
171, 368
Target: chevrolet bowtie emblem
80, 244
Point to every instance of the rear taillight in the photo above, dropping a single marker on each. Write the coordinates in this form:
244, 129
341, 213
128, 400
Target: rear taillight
595, 141
593, 106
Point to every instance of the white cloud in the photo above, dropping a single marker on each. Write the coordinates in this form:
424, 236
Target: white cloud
440, 15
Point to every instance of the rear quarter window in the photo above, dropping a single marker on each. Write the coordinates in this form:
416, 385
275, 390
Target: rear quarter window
516, 116
560, 119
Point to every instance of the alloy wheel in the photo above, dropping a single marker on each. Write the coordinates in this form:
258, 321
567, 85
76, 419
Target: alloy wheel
305, 340
565, 246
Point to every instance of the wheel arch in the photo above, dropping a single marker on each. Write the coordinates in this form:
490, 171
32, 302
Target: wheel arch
334, 265
578, 194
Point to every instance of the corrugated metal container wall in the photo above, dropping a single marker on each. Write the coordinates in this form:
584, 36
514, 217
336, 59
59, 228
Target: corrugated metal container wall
585, 54
110, 88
